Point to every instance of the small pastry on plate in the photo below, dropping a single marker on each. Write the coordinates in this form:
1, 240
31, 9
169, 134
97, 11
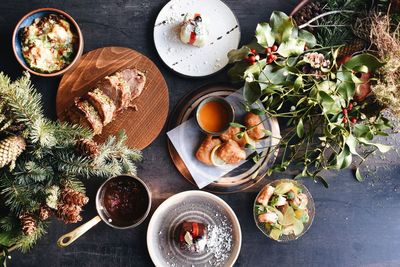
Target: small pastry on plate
203, 153
231, 153
192, 236
256, 128
231, 134
193, 30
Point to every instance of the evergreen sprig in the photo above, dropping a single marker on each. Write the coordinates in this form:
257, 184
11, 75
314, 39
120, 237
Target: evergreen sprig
49, 161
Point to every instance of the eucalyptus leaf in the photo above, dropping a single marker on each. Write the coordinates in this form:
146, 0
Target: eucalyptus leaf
264, 35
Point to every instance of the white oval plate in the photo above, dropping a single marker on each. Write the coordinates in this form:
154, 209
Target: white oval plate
197, 206
188, 60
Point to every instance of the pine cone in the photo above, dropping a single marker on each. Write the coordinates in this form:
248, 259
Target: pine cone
356, 46
10, 149
28, 223
44, 212
87, 147
69, 213
72, 197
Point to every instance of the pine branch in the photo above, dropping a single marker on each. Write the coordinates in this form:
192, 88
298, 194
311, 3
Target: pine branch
67, 134
73, 183
22, 98
25, 242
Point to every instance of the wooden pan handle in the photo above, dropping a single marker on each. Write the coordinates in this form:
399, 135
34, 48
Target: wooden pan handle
67, 239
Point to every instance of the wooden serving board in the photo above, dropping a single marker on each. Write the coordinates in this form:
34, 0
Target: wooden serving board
141, 126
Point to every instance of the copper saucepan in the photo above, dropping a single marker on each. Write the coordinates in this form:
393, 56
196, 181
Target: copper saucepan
122, 202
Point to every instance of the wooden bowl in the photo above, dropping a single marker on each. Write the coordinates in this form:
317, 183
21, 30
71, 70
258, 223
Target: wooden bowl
27, 20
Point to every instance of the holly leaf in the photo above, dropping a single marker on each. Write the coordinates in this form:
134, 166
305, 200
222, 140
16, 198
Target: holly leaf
291, 47
361, 130
352, 143
368, 60
274, 75
236, 72
307, 37
256, 68
281, 25
251, 92
264, 35
330, 104
382, 148
238, 54
344, 159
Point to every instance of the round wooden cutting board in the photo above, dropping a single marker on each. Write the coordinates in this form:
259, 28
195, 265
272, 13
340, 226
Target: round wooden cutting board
143, 125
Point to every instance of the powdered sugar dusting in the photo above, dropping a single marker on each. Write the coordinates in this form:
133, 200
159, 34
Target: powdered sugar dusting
219, 242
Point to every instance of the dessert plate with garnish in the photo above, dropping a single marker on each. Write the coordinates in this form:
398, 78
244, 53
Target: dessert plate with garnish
194, 228
114, 88
194, 37
215, 154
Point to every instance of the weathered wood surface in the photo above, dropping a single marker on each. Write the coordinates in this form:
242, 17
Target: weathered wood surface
355, 224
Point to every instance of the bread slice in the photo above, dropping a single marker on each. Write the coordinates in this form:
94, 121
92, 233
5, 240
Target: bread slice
103, 104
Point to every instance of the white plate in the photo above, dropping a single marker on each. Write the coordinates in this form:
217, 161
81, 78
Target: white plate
194, 206
188, 60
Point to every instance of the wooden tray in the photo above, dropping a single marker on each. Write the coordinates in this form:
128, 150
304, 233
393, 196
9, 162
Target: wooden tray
141, 126
243, 177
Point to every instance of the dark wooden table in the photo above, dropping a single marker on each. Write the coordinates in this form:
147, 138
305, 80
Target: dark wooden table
356, 224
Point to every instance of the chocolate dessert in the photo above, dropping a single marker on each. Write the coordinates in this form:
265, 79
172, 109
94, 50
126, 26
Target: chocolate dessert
192, 236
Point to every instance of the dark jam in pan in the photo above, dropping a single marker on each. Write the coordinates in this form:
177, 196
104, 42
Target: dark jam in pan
125, 201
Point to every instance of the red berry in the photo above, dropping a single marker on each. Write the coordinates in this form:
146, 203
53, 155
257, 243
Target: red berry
274, 57
269, 55
344, 111
253, 62
274, 48
253, 51
350, 106
269, 61
267, 50
353, 120
246, 58
252, 59
344, 120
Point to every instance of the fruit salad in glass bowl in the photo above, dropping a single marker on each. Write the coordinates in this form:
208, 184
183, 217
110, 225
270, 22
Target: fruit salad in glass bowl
284, 210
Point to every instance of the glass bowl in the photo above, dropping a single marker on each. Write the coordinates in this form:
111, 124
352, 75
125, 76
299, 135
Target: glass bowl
310, 206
